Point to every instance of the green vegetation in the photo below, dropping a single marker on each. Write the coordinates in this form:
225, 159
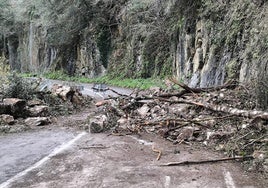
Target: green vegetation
4, 70
120, 82
17, 88
104, 44
130, 83
58, 75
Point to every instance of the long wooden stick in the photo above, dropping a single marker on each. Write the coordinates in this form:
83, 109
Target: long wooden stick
206, 161
234, 111
157, 151
122, 95
227, 85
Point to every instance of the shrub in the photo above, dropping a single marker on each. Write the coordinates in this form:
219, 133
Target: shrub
18, 88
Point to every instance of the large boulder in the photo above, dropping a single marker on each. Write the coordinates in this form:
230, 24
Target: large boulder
14, 107
64, 92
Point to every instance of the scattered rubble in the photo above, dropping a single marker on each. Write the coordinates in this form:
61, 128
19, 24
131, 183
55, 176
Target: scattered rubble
214, 117
37, 110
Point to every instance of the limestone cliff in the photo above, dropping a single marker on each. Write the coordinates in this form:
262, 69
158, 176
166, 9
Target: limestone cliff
204, 43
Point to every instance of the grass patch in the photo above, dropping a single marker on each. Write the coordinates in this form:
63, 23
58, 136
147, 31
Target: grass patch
130, 83
120, 82
57, 75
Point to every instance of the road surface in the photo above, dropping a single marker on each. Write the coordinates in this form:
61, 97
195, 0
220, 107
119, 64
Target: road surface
87, 88
98, 160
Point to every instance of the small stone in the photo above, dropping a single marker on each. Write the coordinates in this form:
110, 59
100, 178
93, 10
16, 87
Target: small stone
155, 90
36, 111
156, 109
97, 124
122, 122
101, 103
62, 91
219, 147
32, 103
185, 134
244, 126
259, 155
178, 109
96, 127
174, 98
77, 99
7, 119
14, 101
210, 123
143, 111
37, 121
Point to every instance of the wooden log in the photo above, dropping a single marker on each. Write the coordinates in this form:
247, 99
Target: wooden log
229, 85
234, 111
207, 161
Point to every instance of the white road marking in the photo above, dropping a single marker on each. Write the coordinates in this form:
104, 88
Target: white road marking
42, 161
228, 179
167, 181
144, 142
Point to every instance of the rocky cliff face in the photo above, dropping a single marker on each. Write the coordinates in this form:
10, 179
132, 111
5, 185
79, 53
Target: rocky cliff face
204, 43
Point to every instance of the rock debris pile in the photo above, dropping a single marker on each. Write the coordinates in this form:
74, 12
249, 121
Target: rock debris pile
223, 118
40, 107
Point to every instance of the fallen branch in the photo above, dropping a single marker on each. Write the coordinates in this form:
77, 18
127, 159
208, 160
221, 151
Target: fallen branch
206, 161
253, 141
174, 122
233, 111
244, 113
228, 85
122, 95
157, 151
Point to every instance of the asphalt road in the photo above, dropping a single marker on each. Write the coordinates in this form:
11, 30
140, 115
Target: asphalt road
97, 160
56, 157
87, 88
19, 151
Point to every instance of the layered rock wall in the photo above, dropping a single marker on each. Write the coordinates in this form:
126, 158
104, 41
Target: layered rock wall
204, 43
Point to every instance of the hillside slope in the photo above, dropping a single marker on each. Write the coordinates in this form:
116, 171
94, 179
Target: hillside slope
204, 43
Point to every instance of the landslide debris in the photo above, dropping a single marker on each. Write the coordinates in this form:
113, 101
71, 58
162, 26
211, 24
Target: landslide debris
28, 103
224, 118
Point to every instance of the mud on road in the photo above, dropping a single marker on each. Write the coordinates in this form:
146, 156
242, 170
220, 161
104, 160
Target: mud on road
99, 160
